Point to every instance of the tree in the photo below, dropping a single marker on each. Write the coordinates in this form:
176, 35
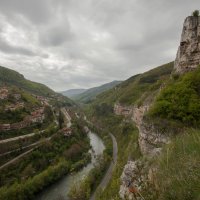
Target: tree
60, 119
195, 13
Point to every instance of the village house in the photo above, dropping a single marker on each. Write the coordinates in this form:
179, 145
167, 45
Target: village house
13, 107
66, 131
4, 93
44, 101
37, 116
17, 96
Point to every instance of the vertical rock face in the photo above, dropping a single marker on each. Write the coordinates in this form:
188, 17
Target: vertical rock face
188, 55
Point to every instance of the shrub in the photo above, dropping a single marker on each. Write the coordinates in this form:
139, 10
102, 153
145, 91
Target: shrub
180, 100
195, 13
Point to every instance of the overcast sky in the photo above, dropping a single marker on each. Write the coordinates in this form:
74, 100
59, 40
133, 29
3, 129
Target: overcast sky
84, 43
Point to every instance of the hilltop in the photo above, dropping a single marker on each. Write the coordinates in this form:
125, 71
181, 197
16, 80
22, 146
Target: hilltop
11, 77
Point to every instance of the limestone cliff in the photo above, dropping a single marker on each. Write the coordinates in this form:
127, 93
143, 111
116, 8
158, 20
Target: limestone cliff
138, 174
150, 138
188, 55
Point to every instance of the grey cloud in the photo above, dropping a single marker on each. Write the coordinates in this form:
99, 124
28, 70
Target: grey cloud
86, 43
56, 35
9, 49
36, 11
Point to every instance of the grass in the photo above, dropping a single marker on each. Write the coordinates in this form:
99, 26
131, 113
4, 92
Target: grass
178, 173
129, 91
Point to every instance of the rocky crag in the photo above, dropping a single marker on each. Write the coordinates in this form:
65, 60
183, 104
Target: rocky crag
150, 139
188, 55
137, 174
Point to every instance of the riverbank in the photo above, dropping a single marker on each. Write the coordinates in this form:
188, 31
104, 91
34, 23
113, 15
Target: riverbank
99, 177
60, 189
46, 164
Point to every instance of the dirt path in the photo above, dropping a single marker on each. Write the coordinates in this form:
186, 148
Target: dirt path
20, 137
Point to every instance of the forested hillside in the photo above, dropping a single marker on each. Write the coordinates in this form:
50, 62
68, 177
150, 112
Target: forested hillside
11, 77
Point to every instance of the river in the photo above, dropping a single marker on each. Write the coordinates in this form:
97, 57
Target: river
59, 190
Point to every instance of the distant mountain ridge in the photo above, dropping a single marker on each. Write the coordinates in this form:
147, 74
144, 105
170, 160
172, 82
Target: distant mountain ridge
73, 92
91, 93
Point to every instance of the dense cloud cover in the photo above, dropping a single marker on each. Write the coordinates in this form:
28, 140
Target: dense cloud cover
83, 43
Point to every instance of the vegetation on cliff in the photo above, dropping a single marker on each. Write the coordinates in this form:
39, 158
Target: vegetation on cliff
178, 169
180, 100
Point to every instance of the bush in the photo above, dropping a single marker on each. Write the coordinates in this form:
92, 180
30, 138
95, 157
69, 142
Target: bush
195, 13
27, 189
180, 100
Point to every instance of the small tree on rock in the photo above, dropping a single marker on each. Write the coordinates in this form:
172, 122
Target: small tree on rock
195, 13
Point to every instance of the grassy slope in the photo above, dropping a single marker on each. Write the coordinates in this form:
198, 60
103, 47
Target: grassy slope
101, 111
129, 91
178, 102
11, 77
178, 171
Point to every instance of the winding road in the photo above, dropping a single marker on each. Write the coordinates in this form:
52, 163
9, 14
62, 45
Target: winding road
104, 182
34, 145
20, 137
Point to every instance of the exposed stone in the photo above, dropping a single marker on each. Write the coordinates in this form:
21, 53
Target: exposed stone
132, 179
188, 55
123, 110
150, 139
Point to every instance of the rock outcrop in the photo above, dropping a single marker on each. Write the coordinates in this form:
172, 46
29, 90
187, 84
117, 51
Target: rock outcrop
132, 178
150, 139
188, 55
137, 174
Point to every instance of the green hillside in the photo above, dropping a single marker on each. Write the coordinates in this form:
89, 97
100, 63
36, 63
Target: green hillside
90, 94
72, 92
129, 91
11, 77
186, 92
175, 108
